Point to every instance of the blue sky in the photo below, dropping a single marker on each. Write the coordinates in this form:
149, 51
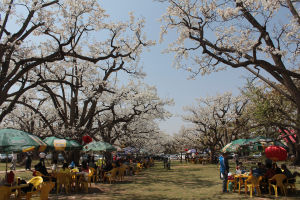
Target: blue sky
170, 82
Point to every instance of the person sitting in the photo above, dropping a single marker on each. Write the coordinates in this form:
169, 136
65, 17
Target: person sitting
259, 171
72, 165
10, 177
65, 168
92, 162
99, 163
84, 170
269, 173
238, 170
41, 168
289, 174
108, 166
276, 169
54, 166
84, 167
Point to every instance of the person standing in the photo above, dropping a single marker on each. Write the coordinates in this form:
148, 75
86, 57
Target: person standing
28, 162
236, 158
186, 157
42, 156
224, 169
54, 166
13, 161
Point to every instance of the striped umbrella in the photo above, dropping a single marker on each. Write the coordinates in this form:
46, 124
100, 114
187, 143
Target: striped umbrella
98, 146
59, 144
234, 146
13, 140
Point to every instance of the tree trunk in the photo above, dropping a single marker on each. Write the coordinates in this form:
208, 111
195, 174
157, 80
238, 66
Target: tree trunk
212, 155
108, 157
297, 159
74, 156
54, 156
297, 144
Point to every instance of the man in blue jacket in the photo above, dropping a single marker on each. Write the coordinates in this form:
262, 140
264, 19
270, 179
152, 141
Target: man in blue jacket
224, 169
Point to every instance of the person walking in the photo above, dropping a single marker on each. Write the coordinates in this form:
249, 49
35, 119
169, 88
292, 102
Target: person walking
236, 159
224, 169
13, 161
28, 162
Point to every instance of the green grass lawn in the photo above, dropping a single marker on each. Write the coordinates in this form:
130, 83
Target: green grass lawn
183, 181
26, 175
19, 166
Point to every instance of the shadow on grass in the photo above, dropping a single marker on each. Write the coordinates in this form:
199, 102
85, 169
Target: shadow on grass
118, 182
183, 181
139, 197
60, 195
177, 176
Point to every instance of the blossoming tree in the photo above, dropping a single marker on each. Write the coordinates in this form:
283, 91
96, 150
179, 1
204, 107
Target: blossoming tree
259, 36
217, 121
131, 114
37, 34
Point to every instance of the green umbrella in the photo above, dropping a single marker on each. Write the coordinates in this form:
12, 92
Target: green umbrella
257, 144
252, 144
59, 144
234, 146
98, 146
12, 140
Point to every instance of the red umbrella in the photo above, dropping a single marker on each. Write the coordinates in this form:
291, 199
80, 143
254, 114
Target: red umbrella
87, 139
276, 153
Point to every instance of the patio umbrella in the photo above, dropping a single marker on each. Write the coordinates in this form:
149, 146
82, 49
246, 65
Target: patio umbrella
143, 151
259, 142
192, 151
59, 144
13, 140
130, 150
234, 146
98, 146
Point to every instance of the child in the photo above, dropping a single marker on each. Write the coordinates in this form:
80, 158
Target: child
240, 169
54, 166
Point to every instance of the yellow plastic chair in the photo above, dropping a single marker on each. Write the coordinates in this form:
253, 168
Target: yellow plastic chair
251, 183
291, 183
93, 176
37, 184
234, 182
121, 173
73, 177
151, 162
85, 181
111, 175
63, 180
37, 173
139, 167
45, 190
5, 192
126, 167
279, 179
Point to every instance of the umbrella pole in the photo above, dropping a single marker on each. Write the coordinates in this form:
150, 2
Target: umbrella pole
102, 160
6, 165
